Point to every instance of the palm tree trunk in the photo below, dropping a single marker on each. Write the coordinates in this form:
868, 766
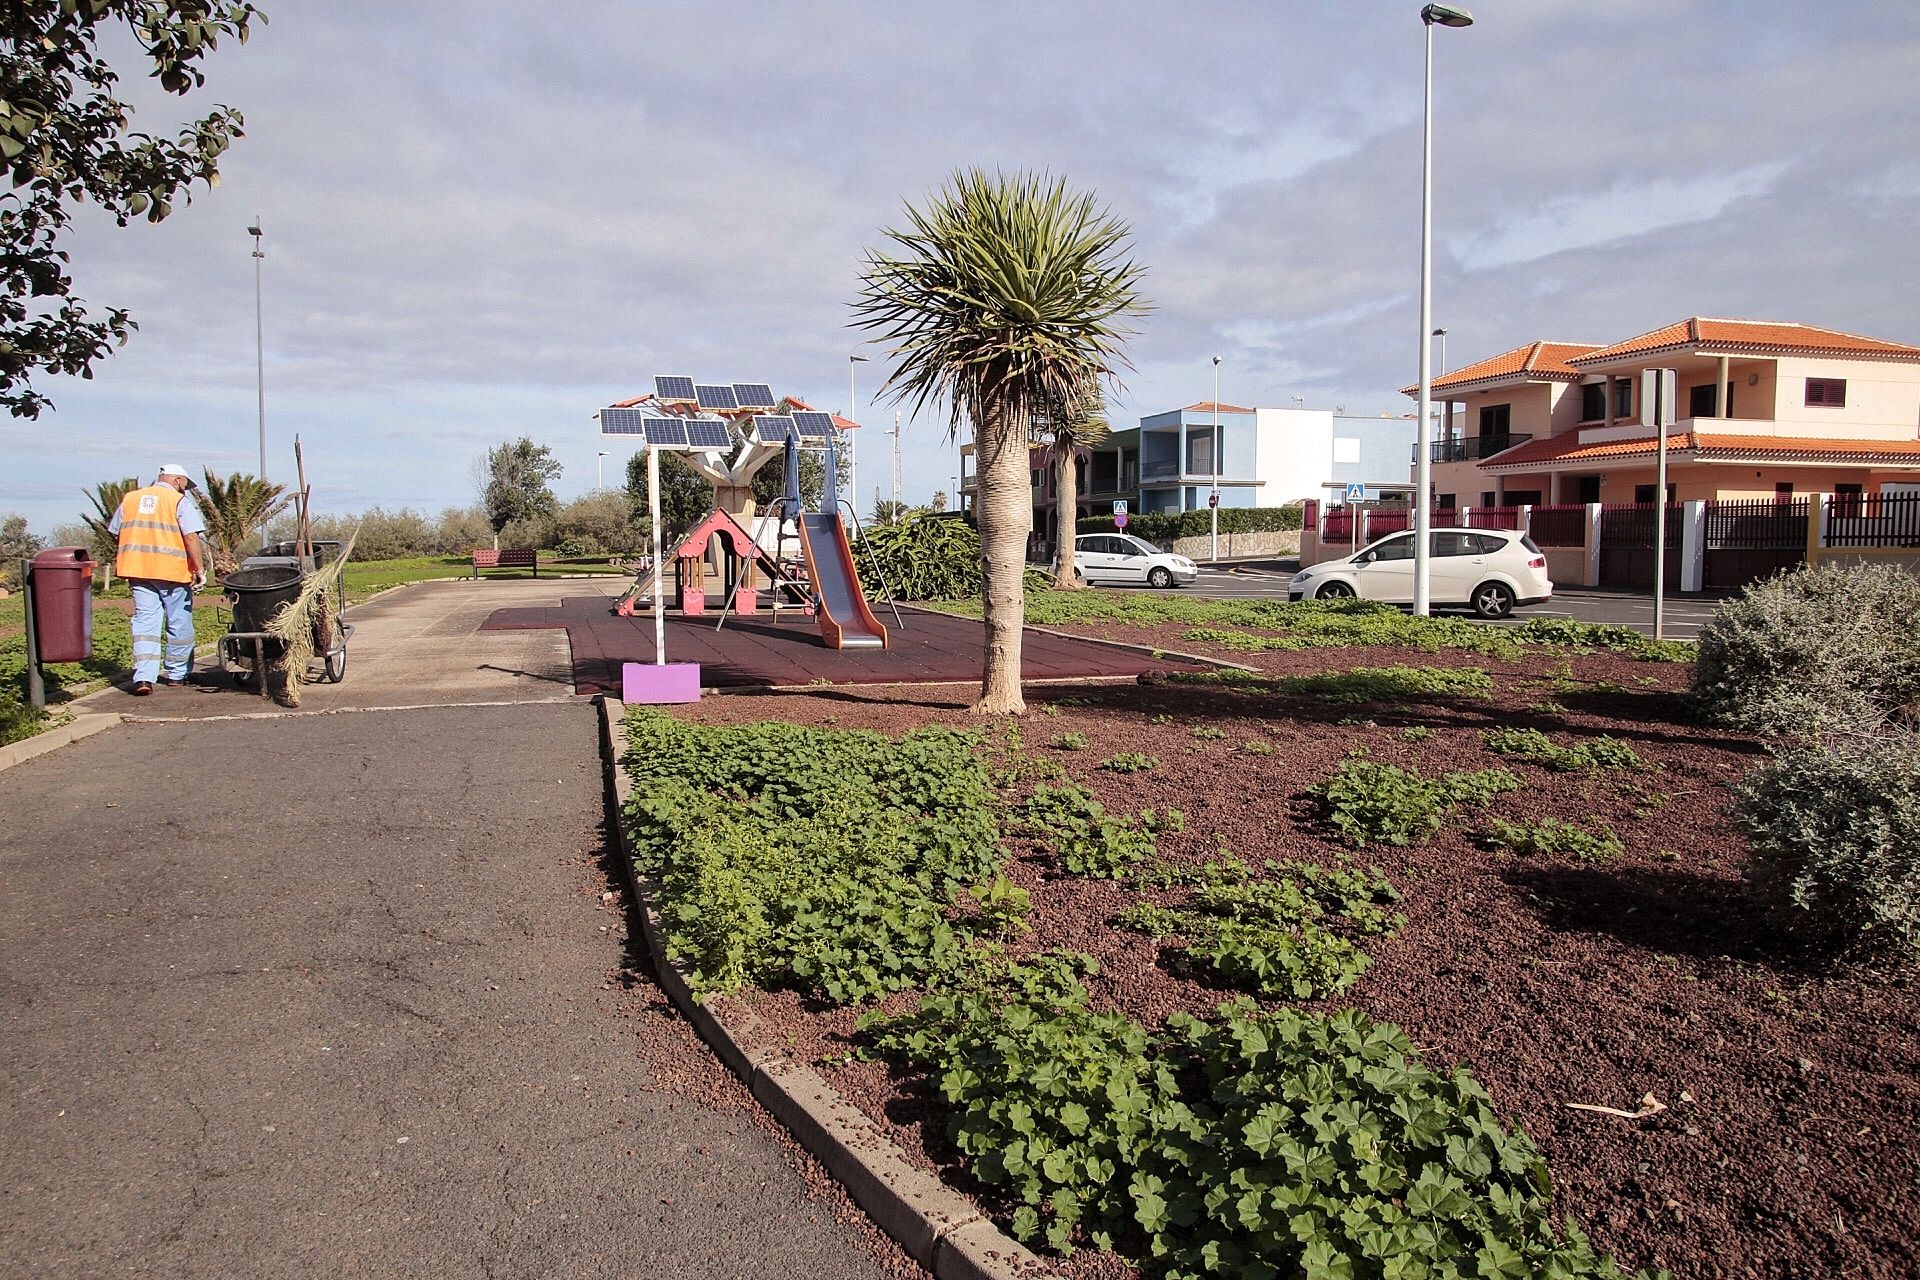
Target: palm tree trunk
1006, 515
1066, 515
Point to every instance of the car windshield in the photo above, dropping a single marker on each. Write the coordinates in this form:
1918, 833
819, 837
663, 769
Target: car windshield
1145, 546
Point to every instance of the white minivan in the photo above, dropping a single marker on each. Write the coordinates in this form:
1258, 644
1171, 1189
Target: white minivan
1488, 570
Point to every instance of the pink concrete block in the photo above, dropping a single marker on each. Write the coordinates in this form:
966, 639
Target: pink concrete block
660, 683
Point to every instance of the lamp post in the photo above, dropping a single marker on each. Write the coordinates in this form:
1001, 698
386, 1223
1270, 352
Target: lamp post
600, 470
259, 346
1213, 499
1299, 402
896, 468
853, 442
1431, 16
1446, 422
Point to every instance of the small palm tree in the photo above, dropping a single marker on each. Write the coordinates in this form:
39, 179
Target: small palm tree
236, 510
106, 498
1003, 299
1078, 426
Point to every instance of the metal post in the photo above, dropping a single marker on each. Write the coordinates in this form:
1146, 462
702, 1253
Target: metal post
1660, 529
259, 346
659, 559
36, 679
853, 444
1214, 504
896, 468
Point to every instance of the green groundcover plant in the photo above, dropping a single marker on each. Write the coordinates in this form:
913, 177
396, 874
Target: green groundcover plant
1247, 1144
1366, 802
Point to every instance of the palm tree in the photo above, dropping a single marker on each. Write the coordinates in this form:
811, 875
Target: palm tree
1002, 299
1078, 426
236, 509
106, 498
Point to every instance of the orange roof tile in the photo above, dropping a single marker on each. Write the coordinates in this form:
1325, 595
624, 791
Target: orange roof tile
1749, 335
1206, 406
1534, 360
1570, 448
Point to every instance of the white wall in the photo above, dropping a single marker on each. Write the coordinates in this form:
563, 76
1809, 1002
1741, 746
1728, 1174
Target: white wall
1296, 454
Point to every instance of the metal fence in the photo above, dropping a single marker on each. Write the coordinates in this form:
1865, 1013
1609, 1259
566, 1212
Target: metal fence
1493, 518
1756, 524
1874, 520
1382, 521
1559, 526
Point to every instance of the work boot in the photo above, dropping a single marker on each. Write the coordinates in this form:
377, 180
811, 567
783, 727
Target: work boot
141, 688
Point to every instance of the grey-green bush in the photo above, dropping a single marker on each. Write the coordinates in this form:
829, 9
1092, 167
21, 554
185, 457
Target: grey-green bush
1816, 650
1836, 840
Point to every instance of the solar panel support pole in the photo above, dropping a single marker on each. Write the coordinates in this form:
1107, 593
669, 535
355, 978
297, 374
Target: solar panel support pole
659, 559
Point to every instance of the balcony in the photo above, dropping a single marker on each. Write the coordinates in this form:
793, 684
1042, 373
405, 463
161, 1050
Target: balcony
1470, 449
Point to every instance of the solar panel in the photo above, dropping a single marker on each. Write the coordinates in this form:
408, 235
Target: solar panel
812, 425
621, 422
706, 433
754, 395
773, 428
715, 397
666, 433
671, 389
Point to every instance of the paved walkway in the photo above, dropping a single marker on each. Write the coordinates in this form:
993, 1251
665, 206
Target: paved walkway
329, 1002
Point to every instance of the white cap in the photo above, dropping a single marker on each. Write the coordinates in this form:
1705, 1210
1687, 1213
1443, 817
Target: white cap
174, 469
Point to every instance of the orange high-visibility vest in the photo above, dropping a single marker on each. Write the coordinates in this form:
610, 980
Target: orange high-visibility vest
151, 544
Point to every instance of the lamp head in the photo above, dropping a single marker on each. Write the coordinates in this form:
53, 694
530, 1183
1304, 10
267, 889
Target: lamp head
1439, 333
861, 359
1216, 361
254, 230
1445, 15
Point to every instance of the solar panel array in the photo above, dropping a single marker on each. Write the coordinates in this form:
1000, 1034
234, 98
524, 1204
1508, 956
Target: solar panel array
622, 422
715, 397
753, 395
672, 389
707, 433
773, 428
812, 425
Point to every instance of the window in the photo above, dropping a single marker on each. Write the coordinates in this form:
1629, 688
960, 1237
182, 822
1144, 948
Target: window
1700, 402
1346, 449
1846, 499
1828, 392
1523, 498
1589, 489
1643, 494
1623, 397
1783, 492
1593, 402
1400, 548
1496, 420
1447, 502
1486, 544
1456, 544
1488, 498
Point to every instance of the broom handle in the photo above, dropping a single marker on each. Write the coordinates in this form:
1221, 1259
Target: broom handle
302, 534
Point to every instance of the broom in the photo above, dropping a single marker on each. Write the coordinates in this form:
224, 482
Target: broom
297, 623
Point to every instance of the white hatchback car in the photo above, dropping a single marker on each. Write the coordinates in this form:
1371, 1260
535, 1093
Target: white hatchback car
1122, 559
1488, 570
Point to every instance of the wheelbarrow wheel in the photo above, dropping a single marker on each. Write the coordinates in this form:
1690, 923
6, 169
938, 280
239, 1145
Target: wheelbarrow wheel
337, 666
243, 677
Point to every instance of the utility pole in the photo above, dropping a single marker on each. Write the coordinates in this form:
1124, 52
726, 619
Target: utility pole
259, 345
853, 441
896, 468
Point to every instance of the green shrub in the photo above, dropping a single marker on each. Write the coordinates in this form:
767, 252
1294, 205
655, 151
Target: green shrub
1833, 648
924, 557
1070, 742
1536, 747
1836, 840
1291, 934
1567, 633
1245, 1144
1087, 839
1371, 803
1161, 528
1129, 762
821, 859
1551, 835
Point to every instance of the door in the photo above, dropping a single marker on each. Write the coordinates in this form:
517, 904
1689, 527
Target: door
1090, 557
1129, 562
1387, 573
1457, 566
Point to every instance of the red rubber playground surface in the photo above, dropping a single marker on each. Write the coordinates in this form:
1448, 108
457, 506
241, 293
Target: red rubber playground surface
753, 652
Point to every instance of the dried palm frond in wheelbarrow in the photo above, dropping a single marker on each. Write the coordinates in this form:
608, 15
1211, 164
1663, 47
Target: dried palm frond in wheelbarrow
305, 627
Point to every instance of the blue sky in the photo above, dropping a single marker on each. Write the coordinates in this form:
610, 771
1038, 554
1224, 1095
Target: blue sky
486, 218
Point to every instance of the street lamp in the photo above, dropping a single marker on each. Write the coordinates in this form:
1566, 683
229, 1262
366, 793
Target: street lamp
1299, 402
1431, 16
1446, 419
853, 441
600, 470
1213, 499
259, 346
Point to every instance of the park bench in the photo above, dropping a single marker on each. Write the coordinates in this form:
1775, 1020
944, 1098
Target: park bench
506, 558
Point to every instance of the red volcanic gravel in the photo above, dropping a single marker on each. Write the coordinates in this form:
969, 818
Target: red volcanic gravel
1790, 1146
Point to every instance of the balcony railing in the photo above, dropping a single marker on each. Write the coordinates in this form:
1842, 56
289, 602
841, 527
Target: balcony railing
1470, 448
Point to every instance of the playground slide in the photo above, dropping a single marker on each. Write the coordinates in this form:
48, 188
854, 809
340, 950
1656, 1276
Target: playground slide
845, 620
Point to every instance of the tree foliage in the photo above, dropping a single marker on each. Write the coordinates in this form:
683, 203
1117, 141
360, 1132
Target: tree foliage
685, 495
106, 498
66, 140
518, 483
236, 510
1005, 299
770, 481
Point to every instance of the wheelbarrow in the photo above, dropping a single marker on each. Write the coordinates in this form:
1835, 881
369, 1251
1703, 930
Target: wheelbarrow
260, 588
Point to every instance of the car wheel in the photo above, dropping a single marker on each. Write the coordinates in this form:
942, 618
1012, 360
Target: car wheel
1334, 591
1160, 577
1492, 600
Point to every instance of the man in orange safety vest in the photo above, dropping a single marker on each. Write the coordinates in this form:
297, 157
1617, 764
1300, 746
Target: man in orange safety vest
159, 528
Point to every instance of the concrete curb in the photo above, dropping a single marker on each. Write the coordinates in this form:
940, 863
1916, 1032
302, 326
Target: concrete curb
943, 1230
81, 726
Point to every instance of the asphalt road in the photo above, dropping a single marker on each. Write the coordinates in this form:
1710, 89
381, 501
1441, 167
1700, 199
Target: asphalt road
1684, 614
379, 1038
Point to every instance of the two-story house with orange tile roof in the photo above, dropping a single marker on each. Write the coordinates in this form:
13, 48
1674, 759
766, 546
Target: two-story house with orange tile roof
1764, 409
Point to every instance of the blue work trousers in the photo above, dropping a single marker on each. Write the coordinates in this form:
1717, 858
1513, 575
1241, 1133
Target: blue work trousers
162, 629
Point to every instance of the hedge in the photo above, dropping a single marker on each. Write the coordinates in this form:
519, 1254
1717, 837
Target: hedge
1164, 527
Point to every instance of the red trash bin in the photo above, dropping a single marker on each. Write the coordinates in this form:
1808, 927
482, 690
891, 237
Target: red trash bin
63, 604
